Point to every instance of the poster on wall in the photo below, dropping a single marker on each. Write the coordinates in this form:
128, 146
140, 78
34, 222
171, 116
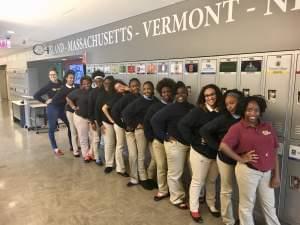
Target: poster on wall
114, 69
163, 68
191, 67
251, 65
89, 69
122, 69
141, 68
131, 69
294, 152
279, 65
151, 68
107, 69
208, 66
295, 183
228, 66
176, 67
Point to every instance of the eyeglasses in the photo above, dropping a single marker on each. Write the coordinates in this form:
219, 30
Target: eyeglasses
210, 95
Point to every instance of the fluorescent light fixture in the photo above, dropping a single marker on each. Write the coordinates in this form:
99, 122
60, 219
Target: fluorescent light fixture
11, 32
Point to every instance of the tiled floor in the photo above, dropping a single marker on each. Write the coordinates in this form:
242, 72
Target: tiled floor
38, 188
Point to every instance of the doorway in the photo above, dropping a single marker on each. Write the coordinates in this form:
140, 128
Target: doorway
3, 84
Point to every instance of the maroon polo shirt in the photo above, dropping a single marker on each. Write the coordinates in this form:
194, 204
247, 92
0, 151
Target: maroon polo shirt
242, 138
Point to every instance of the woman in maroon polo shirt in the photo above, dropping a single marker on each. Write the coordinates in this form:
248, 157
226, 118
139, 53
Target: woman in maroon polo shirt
253, 144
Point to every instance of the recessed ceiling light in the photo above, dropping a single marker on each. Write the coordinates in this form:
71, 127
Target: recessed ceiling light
11, 32
64, 59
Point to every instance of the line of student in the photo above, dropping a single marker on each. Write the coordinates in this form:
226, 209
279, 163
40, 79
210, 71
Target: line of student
221, 135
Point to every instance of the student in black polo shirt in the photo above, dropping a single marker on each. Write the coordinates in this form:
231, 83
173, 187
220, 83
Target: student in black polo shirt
213, 132
166, 89
97, 77
109, 135
119, 127
108, 89
59, 100
164, 124
53, 112
133, 116
202, 157
78, 101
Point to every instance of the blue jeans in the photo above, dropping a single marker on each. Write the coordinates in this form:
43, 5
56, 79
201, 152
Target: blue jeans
53, 113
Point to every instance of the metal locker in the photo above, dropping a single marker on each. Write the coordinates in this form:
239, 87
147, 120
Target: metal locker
276, 90
291, 207
123, 72
115, 71
131, 72
141, 72
251, 75
163, 68
151, 71
227, 76
107, 69
208, 72
176, 69
295, 129
190, 78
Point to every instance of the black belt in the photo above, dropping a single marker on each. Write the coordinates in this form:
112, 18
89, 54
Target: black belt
252, 167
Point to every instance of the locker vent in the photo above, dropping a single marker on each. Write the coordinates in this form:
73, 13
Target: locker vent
297, 130
279, 128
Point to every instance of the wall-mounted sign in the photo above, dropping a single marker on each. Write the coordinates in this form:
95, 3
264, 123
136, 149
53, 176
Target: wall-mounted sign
294, 152
208, 66
40, 49
5, 43
279, 65
193, 23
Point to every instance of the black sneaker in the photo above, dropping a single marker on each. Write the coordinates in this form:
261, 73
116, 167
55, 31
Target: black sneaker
123, 174
153, 183
146, 184
108, 170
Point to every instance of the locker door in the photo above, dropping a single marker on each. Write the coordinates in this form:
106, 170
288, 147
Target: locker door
163, 68
208, 72
151, 70
190, 78
292, 191
123, 72
176, 69
277, 90
227, 76
295, 129
251, 75
141, 71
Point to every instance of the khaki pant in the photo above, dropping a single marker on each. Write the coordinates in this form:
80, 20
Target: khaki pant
251, 183
110, 144
95, 140
176, 158
74, 135
137, 145
227, 178
120, 147
82, 126
151, 170
160, 157
204, 172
